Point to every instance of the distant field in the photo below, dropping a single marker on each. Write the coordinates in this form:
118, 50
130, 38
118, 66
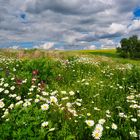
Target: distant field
68, 95
108, 53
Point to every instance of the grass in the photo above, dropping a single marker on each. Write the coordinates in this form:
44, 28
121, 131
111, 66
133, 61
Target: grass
108, 53
69, 95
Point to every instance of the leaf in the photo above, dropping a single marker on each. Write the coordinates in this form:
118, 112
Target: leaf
70, 137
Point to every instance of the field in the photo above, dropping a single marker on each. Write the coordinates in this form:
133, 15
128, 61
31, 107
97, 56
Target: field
68, 95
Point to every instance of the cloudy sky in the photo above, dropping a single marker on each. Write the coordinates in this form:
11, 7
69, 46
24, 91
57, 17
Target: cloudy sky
67, 24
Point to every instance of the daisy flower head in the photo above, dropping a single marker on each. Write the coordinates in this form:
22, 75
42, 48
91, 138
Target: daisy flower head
114, 126
96, 134
133, 119
45, 107
1, 104
53, 99
37, 100
71, 93
133, 134
101, 121
89, 122
99, 127
1, 89
6, 85
44, 124
12, 88
6, 91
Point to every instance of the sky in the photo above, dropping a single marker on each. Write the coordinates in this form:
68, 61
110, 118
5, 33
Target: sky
67, 24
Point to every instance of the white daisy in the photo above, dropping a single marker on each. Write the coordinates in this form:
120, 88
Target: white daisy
45, 107
44, 124
89, 122
133, 134
97, 134
114, 126
1, 104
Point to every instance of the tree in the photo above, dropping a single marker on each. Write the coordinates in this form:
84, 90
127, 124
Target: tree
130, 47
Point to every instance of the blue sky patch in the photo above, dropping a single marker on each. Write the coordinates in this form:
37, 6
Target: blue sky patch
137, 12
23, 16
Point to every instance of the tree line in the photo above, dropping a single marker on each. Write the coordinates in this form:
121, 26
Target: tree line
130, 47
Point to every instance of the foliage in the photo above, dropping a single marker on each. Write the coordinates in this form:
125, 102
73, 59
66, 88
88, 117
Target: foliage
130, 47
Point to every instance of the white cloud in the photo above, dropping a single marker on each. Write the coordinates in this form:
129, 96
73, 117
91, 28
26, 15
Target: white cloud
108, 44
117, 28
91, 47
135, 25
45, 46
107, 47
15, 47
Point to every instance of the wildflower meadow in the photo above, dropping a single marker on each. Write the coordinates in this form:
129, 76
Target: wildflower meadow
68, 96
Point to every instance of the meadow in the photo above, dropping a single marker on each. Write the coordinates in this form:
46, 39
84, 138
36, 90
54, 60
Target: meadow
68, 95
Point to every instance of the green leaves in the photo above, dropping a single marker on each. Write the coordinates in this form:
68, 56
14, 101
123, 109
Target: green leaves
130, 47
